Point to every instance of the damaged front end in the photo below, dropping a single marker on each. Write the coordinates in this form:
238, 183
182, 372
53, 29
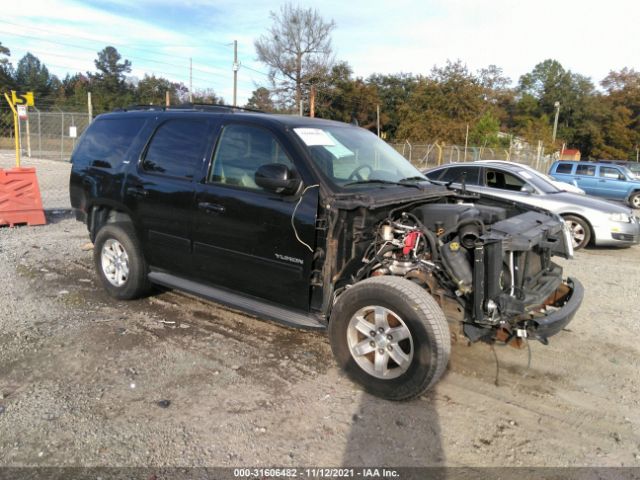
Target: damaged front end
530, 299
487, 263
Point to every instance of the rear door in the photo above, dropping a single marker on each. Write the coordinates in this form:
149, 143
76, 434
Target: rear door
248, 239
160, 190
585, 175
508, 185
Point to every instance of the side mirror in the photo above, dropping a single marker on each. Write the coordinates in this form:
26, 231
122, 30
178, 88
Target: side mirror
528, 189
277, 178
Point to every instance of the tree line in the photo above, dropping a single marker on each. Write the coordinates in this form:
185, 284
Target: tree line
450, 104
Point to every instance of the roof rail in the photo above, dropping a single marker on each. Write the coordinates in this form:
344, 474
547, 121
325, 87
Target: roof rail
138, 107
205, 107
211, 107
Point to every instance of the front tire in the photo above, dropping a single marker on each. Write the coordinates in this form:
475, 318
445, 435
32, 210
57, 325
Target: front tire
119, 262
390, 336
580, 231
634, 200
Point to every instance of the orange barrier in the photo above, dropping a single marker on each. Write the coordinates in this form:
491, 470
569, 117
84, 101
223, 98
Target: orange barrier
20, 200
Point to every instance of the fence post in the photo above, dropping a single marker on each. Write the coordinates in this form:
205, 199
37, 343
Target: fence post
73, 124
28, 136
39, 134
62, 136
439, 147
410, 149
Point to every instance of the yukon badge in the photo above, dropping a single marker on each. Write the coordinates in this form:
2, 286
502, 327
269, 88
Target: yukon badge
286, 258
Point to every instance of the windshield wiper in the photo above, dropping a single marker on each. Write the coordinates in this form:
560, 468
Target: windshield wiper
416, 178
383, 182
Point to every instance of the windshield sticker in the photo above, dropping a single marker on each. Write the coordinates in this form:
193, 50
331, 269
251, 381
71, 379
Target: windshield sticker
338, 150
314, 136
526, 175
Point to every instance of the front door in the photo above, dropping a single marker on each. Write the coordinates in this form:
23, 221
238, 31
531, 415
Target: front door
248, 239
611, 183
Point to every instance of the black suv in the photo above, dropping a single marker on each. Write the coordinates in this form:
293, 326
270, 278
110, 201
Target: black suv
317, 224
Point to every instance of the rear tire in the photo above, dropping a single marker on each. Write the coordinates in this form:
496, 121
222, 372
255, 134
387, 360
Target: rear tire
580, 231
390, 336
119, 262
634, 200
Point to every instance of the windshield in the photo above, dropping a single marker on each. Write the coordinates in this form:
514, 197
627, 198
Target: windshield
351, 156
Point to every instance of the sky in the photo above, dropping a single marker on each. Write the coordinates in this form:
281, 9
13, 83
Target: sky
160, 36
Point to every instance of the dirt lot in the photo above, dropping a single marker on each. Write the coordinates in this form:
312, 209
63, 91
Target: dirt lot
83, 377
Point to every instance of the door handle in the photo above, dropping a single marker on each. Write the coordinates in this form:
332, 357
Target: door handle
137, 192
211, 207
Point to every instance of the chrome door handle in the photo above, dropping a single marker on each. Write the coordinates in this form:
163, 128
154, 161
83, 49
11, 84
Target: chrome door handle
211, 207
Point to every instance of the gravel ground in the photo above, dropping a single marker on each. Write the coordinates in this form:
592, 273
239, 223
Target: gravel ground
171, 380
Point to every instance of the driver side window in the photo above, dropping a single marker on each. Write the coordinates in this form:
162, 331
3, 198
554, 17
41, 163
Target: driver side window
611, 172
241, 150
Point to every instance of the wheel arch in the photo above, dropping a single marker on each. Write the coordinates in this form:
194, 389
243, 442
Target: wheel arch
592, 239
101, 214
633, 192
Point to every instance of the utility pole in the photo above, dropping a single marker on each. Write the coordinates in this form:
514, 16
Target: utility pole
235, 73
312, 101
378, 119
90, 107
301, 109
555, 122
190, 80
167, 99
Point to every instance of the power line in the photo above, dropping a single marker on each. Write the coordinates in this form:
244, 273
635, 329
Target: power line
172, 74
136, 58
181, 76
143, 59
80, 37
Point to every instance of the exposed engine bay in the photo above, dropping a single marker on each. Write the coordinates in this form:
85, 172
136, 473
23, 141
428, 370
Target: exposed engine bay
488, 266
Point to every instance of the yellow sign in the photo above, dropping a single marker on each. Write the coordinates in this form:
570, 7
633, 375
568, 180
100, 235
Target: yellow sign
22, 99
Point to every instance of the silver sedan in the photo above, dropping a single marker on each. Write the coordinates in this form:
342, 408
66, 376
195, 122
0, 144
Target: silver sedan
591, 220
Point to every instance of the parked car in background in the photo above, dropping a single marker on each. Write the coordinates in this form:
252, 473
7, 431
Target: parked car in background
591, 220
564, 186
605, 180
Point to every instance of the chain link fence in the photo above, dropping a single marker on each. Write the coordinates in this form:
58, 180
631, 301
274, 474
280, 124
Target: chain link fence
43, 134
435, 154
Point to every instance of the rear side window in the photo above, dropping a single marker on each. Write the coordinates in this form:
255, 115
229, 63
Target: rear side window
503, 180
106, 142
177, 148
588, 170
564, 168
455, 174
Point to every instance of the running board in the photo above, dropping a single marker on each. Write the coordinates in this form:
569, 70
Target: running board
250, 305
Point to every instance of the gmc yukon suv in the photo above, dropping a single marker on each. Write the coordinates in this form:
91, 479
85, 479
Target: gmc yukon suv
317, 224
